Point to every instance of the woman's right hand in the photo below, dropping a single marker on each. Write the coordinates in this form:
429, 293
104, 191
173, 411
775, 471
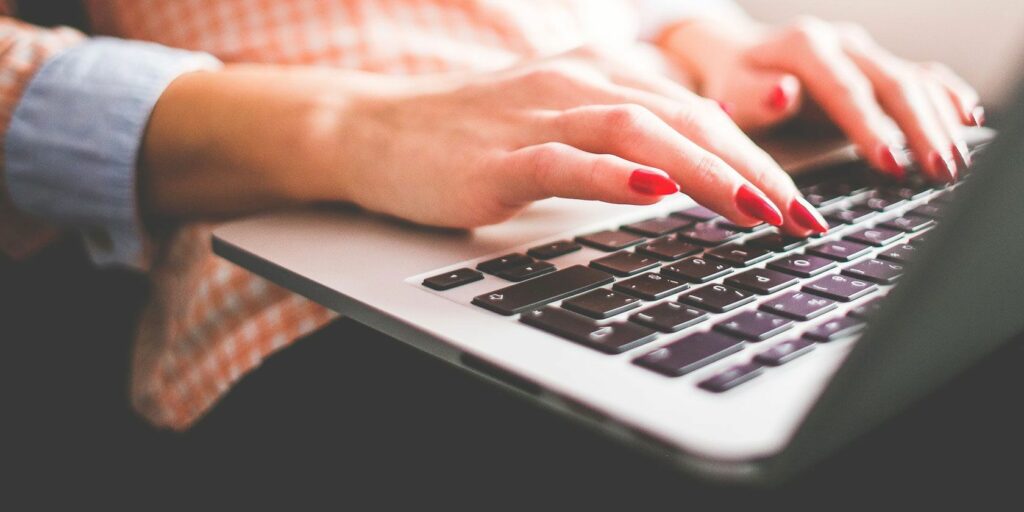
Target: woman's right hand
474, 149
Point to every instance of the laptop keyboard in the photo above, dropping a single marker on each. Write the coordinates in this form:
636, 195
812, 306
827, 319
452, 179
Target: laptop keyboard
741, 289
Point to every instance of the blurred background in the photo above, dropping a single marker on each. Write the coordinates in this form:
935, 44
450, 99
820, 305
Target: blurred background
983, 40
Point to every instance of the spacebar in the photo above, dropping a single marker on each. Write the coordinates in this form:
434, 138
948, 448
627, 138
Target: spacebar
539, 291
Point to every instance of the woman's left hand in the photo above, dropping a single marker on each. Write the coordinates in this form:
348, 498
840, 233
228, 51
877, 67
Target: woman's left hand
764, 76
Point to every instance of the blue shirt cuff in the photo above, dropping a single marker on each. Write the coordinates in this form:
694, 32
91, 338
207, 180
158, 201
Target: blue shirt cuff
73, 142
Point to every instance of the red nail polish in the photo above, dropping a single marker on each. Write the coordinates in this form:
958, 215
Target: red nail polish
942, 166
778, 99
962, 154
893, 161
754, 204
726, 107
655, 183
978, 115
807, 216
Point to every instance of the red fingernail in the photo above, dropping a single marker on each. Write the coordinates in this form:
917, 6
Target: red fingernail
807, 216
893, 161
778, 99
943, 166
754, 204
978, 115
962, 154
650, 182
726, 107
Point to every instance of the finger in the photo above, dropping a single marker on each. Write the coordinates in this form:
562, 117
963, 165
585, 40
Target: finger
558, 170
952, 125
812, 53
964, 97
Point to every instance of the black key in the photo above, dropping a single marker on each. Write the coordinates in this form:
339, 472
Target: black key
909, 223
670, 316
901, 253
625, 263
651, 286
876, 271
876, 236
930, 210
943, 198
611, 338
690, 353
451, 279
746, 229
916, 191
707, 234
824, 194
717, 297
799, 305
528, 271
835, 329
658, 227
803, 265
696, 270
776, 242
554, 249
839, 250
842, 288
761, 280
864, 311
850, 215
739, 255
697, 213
920, 239
784, 352
609, 241
884, 202
669, 248
547, 288
601, 303
503, 262
754, 325
732, 377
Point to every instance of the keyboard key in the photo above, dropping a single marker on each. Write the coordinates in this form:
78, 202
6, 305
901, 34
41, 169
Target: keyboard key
876, 271
451, 279
670, 316
799, 305
690, 353
842, 288
707, 234
754, 325
625, 263
601, 303
697, 213
784, 352
658, 227
609, 241
864, 311
850, 215
528, 271
739, 255
746, 229
839, 250
732, 377
669, 248
761, 280
909, 223
611, 338
884, 202
835, 329
696, 270
875, 236
803, 265
915, 191
931, 210
920, 239
536, 292
776, 242
651, 286
901, 253
553, 250
500, 263
717, 297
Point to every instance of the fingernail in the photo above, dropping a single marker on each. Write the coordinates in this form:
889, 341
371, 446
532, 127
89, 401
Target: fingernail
726, 107
962, 154
651, 182
942, 166
978, 115
893, 161
755, 204
807, 216
778, 99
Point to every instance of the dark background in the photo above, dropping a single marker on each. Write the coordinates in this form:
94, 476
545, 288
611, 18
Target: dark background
351, 415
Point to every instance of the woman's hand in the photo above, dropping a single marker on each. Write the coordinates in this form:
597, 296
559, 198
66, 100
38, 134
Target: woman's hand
763, 76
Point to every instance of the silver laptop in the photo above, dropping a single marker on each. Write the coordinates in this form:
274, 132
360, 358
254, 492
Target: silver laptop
738, 353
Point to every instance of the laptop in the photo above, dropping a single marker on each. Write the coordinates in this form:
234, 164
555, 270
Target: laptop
738, 354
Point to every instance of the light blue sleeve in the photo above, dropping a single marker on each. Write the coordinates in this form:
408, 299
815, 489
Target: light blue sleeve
657, 15
73, 142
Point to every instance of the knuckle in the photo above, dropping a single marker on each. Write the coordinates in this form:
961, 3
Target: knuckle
543, 161
813, 33
628, 117
706, 166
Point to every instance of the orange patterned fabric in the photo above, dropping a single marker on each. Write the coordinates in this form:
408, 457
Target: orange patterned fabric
207, 322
